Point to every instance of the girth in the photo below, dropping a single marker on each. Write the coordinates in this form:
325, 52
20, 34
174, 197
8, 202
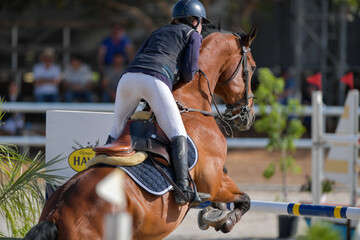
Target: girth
138, 135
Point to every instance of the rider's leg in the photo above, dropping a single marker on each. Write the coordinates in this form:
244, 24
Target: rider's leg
167, 114
179, 161
128, 96
134, 86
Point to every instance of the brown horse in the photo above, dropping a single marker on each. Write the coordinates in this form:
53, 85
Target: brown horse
75, 211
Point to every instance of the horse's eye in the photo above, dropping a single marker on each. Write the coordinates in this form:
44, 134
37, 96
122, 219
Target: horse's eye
253, 68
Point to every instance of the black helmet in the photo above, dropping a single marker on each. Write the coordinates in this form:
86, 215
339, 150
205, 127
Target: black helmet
189, 8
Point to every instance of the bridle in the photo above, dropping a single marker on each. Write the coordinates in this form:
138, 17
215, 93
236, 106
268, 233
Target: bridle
241, 106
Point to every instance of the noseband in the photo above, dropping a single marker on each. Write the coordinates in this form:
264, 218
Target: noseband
241, 106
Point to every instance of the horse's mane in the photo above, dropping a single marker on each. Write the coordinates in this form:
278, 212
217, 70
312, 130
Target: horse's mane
210, 28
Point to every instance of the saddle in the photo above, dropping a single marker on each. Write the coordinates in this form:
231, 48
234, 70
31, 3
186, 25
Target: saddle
139, 135
154, 174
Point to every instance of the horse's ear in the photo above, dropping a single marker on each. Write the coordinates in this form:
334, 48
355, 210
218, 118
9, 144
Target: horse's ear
251, 36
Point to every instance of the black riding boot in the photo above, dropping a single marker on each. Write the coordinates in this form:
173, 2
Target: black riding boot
179, 161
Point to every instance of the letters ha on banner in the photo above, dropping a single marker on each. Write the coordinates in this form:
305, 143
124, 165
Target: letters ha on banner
77, 159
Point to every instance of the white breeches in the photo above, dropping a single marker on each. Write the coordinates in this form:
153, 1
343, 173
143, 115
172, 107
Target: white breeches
131, 89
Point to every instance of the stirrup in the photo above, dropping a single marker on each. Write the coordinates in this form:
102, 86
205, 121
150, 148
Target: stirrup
199, 197
192, 197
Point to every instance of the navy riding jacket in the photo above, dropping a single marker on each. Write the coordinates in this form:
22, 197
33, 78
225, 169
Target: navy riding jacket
169, 54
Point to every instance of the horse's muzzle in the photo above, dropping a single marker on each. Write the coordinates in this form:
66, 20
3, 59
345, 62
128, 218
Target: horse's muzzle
244, 124
241, 121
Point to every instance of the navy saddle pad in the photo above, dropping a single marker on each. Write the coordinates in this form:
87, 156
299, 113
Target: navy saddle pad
149, 178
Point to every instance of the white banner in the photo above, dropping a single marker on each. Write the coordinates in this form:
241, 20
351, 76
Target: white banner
72, 135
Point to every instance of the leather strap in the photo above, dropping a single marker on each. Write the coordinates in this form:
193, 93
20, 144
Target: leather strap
176, 188
185, 109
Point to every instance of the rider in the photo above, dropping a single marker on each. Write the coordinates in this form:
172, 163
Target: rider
169, 54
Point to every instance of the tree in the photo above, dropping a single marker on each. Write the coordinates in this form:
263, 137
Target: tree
280, 123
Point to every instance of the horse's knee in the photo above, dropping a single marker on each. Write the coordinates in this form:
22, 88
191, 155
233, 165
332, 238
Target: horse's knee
243, 204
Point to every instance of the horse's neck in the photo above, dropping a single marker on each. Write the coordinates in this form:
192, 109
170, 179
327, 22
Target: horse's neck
196, 93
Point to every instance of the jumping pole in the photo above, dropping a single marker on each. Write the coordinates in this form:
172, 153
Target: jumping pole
298, 209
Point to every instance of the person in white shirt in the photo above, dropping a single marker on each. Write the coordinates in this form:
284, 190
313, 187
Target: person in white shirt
47, 77
78, 81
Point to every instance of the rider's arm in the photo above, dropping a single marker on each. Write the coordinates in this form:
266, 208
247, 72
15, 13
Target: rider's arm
191, 57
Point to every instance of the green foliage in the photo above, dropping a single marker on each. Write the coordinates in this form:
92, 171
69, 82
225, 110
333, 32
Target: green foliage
2, 113
22, 181
327, 185
352, 7
321, 231
278, 122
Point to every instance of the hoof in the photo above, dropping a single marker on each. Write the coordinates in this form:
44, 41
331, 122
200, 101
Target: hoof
228, 226
200, 219
231, 219
215, 218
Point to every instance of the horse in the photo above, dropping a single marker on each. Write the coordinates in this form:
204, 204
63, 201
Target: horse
75, 211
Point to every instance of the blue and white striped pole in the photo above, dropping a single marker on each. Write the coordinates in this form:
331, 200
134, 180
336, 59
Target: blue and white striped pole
299, 209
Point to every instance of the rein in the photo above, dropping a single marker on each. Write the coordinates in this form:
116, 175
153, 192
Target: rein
185, 109
230, 108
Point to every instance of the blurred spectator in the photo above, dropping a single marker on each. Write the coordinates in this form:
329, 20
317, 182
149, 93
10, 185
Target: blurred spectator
117, 42
47, 76
310, 88
77, 81
12, 123
111, 78
289, 88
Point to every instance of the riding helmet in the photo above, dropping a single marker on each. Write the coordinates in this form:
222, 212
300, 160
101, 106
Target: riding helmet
189, 8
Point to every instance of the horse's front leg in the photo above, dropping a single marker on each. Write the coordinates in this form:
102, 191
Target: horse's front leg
229, 192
